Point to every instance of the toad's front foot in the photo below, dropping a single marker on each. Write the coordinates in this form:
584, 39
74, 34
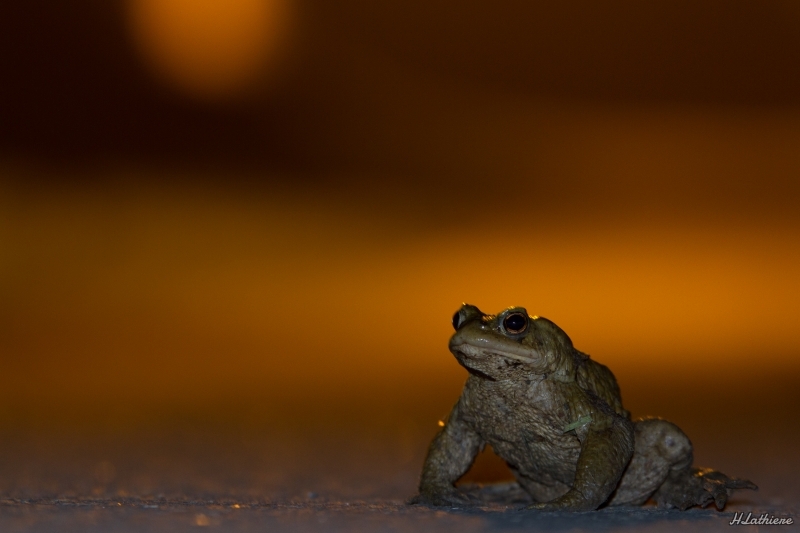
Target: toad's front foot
572, 501
555, 506
449, 497
698, 486
504, 493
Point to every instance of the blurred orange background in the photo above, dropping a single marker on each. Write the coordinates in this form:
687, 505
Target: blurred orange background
269, 211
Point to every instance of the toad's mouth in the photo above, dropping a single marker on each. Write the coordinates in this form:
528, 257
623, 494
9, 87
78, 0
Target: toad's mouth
475, 352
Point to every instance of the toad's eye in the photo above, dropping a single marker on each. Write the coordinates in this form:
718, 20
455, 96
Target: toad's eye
456, 320
515, 323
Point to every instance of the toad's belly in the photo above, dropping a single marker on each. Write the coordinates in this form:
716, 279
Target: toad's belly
535, 448
524, 423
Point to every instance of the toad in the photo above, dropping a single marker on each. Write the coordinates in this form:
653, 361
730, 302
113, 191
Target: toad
556, 417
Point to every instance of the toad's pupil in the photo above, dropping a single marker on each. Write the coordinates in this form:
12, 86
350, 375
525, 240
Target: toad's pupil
456, 320
515, 323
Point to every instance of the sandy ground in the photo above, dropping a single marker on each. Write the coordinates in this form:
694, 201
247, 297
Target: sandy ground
104, 515
182, 476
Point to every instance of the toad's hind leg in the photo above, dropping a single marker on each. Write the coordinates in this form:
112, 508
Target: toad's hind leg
660, 447
661, 467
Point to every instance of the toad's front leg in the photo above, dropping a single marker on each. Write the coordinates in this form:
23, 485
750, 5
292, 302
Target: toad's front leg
606, 449
449, 457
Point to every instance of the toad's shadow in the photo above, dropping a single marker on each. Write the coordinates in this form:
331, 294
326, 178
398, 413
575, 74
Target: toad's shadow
502, 506
616, 518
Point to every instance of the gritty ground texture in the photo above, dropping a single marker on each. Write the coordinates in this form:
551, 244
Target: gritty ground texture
234, 479
378, 515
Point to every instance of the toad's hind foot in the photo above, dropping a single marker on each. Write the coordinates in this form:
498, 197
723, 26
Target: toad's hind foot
698, 486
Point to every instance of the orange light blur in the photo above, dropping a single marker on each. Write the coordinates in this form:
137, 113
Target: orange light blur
205, 48
290, 298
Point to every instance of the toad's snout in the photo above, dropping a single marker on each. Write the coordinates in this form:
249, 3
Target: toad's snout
481, 348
